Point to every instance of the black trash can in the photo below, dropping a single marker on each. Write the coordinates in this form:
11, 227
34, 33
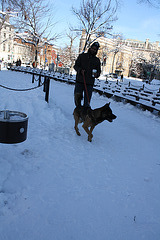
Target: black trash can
13, 126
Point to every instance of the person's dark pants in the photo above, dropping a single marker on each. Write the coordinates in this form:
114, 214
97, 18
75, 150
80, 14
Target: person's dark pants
78, 94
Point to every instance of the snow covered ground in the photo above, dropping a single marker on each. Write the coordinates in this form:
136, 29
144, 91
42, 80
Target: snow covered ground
58, 186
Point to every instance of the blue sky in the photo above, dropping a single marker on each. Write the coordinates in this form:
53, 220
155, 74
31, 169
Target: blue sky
135, 21
138, 21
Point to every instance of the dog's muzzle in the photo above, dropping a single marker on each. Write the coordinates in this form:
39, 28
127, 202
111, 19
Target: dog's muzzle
111, 118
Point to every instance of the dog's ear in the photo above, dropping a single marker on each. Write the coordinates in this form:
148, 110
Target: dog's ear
107, 104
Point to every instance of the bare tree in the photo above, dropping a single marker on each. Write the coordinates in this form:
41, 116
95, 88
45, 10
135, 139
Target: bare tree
2, 19
3, 3
5, 12
154, 64
68, 54
138, 62
35, 18
153, 3
72, 52
116, 49
95, 18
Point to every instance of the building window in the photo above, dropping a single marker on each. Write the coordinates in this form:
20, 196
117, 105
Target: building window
4, 47
4, 35
9, 47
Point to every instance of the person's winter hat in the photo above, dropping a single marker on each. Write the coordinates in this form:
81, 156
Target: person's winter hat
96, 44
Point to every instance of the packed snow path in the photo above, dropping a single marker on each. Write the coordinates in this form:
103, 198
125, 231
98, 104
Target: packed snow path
58, 186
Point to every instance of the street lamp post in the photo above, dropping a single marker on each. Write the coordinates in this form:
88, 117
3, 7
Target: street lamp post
58, 58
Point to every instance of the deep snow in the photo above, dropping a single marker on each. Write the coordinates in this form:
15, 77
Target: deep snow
58, 186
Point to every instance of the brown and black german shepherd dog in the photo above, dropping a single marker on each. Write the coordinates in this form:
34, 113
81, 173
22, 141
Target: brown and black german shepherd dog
91, 118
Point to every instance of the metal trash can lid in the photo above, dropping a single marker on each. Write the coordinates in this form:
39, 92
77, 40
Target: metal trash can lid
12, 116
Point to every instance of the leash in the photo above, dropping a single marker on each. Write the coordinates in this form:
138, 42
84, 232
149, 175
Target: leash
85, 87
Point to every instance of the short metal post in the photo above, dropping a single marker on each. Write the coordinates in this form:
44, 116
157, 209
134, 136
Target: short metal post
47, 89
153, 103
33, 78
44, 87
39, 82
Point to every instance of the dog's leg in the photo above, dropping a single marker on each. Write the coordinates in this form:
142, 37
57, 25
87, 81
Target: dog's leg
90, 135
76, 125
91, 129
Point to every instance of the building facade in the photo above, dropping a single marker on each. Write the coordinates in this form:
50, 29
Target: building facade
6, 41
116, 55
14, 46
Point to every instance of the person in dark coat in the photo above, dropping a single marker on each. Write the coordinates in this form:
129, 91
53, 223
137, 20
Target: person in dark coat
88, 67
19, 62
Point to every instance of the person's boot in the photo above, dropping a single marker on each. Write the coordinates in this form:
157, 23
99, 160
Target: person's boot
77, 99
